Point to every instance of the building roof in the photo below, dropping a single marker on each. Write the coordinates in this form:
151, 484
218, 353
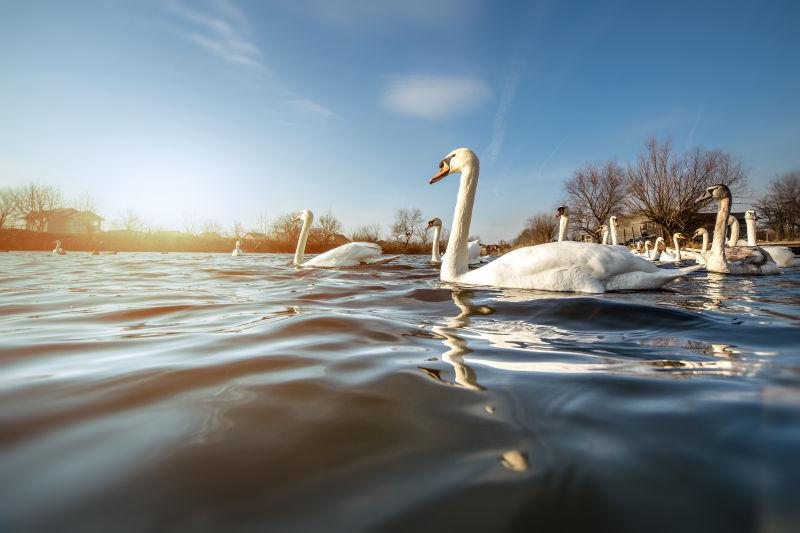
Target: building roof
63, 212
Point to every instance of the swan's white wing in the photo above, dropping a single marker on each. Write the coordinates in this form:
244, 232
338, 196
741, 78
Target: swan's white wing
473, 253
350, 254
572, 266
782, 255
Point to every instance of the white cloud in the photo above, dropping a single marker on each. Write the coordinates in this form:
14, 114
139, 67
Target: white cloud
304, 104
434, 97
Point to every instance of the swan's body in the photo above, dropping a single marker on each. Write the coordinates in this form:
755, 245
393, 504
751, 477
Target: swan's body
782, 255
748, 260
238, 250
346, 255
555, 266
58, 250
473, 252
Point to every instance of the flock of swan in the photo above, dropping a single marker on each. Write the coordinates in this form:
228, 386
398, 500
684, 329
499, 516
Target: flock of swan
563, 265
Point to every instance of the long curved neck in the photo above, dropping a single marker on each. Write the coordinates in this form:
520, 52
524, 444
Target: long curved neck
455, 260
647, 249
562, 227
677, 243
734, 222
720, 226
301, 243
704, 248
613, 230
605, 235
751, 232
437, 236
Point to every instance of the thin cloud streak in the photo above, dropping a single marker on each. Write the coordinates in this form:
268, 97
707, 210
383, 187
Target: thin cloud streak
223, 30
434, 97
310, 106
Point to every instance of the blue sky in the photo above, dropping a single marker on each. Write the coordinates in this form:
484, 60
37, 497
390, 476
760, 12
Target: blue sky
221, 109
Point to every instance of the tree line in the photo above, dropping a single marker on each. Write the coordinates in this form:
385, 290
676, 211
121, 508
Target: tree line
28, 205
661, 185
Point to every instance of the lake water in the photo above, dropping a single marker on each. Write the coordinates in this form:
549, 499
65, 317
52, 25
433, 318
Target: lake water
204, 392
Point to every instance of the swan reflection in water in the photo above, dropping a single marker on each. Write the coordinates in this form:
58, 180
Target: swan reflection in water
465, 376
546, 342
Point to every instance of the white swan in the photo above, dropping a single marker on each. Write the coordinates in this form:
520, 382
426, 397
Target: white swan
346, 255
613, 224
436, 224
782, 255
700, 258
563, 214
750, 260
58, 250
554, 266
474, 247
651, 253
674, 255
238, 250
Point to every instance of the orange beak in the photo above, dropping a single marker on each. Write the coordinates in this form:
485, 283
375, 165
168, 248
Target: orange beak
444, 169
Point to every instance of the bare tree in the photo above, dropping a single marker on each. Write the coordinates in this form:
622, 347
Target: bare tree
327, 228
539, 228
285, 228
237, 229
594, 193
33, 204
407, 224
189, 225
368, 233
663, 185
128, 220
780, 206
84, 202
211, 228
263, 223
7, 206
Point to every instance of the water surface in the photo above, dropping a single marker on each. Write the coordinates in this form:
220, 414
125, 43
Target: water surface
203, 392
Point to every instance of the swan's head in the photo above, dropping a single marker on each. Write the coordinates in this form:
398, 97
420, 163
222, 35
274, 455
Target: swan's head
305, 216
750, 214
678, 236
238, 243
717, 192
614, 221
648, 245
454, 162
699, 232
434, 223
562, 211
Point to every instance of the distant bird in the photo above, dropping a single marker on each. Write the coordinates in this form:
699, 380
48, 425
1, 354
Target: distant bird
346, 255
553, 266
238, 250
750, 260
58, 250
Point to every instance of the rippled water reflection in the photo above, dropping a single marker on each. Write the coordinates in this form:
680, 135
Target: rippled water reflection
196, 392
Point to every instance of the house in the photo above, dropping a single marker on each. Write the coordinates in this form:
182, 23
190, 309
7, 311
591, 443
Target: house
64, 220
254, 237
